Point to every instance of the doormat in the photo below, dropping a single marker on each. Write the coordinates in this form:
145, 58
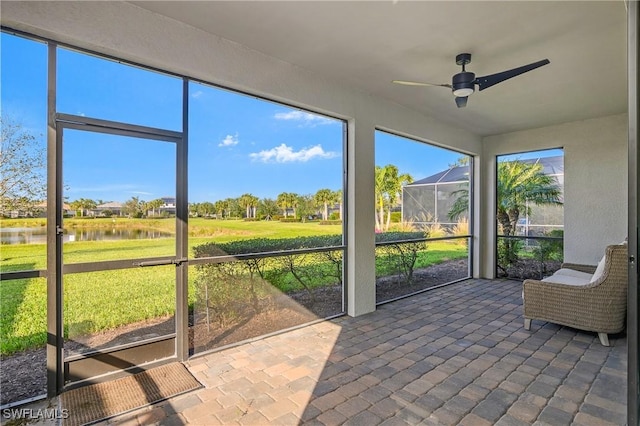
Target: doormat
100, 401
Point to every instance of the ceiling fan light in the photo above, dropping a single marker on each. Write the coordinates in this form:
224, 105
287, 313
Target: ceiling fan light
463, 92
463, 84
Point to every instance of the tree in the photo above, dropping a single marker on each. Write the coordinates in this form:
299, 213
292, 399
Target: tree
154, 204
206, 208
22, 169
519, 185
234, 207
323, 198
82, 204
284, 203
134, 207
249, 203
338, 198
295, 199
220, 207
305, 206
286, 200
388, 190
193, 209
77, 207
268, 208
463, 160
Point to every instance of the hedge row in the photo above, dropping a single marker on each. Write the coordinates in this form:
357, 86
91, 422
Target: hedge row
263, 245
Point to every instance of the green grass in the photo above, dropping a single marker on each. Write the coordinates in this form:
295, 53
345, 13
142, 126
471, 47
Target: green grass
102, 300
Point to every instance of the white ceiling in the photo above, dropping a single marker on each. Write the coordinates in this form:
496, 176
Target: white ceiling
370, 43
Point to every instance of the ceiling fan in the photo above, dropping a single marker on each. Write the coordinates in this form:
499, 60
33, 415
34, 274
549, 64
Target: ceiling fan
463, 84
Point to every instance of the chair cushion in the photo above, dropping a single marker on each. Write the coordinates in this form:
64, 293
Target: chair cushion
573, 273
599, 270
568, 279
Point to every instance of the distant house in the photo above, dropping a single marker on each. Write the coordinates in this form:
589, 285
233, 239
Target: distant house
169, 206
429, 200
113, 206
39, 210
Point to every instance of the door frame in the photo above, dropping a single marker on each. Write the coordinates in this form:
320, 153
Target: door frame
633, 335
170, 347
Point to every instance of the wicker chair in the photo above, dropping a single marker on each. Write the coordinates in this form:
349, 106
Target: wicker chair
599, 305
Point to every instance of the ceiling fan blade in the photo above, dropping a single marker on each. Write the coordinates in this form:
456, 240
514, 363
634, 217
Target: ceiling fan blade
416, 83
490, 80
461, 101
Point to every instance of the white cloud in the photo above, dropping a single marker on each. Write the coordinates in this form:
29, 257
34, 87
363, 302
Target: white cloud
229, 140
305, 117
197, 94
286, 154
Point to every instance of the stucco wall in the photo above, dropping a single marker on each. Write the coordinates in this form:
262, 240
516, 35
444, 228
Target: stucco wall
596, 195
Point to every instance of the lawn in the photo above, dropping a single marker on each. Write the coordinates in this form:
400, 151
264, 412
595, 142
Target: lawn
101, 300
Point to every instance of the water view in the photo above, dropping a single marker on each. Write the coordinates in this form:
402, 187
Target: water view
39, 235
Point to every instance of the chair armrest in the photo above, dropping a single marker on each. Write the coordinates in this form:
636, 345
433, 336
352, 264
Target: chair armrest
589, 269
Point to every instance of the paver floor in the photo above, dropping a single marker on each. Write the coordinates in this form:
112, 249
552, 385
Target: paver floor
456, 355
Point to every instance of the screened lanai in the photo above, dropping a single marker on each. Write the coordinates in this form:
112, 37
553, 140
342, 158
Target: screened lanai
242, 52
430, 200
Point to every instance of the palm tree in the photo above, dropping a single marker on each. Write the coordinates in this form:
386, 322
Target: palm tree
287, 200
249, 202
283, 202
206, 208
220, 207
322, 198
234, 209
519, 185
388, 189
268, 208
83, 204
338, 198
293, 202
155, 204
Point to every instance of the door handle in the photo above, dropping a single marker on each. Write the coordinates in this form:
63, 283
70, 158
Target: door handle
162, 262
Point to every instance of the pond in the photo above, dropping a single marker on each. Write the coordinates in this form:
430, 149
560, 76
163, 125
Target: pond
39, 235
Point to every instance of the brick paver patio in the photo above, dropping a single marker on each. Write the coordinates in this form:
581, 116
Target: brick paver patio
457, 355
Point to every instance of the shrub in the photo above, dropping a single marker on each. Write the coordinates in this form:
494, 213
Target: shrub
396, 217
508, 249
330, 222
400, 257
461, 229
435, 230
550, 250
233, 290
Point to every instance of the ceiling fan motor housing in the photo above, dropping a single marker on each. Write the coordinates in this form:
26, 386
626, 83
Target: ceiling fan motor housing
463, 83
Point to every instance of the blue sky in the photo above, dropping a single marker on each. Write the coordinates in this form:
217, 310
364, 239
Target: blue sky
237, 143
